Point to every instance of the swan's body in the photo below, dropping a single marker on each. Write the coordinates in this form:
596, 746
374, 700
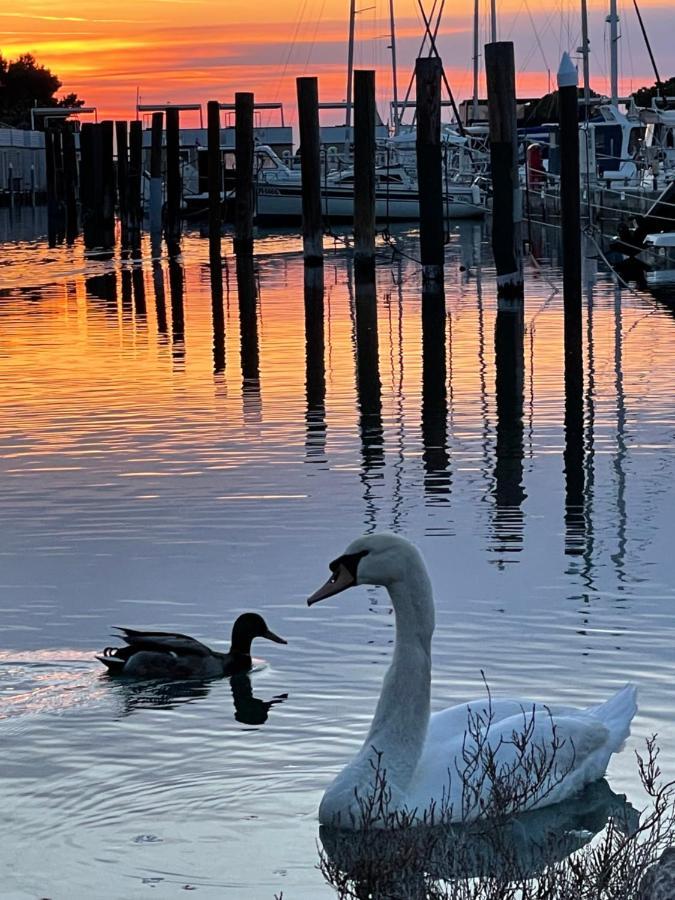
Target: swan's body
429, 761
167, 655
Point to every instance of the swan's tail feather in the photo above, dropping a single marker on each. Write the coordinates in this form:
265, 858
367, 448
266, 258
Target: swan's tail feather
616, 715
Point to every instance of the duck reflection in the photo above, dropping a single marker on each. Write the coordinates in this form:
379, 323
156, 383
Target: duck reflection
250, 710
137, 695
406, 863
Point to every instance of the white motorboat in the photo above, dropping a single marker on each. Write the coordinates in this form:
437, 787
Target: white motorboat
279, 193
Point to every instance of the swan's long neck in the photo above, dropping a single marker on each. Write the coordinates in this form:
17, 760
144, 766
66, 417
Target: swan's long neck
400, 722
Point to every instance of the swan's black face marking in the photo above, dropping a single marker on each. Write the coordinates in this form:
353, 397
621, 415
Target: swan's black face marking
344, 570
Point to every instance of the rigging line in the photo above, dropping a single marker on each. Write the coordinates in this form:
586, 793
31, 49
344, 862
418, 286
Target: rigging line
460, 127
422, 46
649, 46
298, 21
629, 48
316, 29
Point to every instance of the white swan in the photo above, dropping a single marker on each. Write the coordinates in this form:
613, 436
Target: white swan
425, 756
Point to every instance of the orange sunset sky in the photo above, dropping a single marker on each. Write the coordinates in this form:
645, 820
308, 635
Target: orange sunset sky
196, 50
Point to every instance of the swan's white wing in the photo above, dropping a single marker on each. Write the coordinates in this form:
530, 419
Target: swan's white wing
560, 755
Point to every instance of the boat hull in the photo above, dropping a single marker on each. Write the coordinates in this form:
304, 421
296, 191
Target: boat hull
284, 203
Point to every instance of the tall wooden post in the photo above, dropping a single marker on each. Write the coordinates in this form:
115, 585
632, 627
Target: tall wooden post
364, 172
107, 175
570, 220
215, 173
121, 132
50, 165
429, 165
570, 205
173, 179
156, 173
70, 182
135, 179
310, 162
506, 200
86, 181
244, 153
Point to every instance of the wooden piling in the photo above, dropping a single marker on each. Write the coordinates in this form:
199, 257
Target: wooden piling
70, 181
506, 200
570, 202
156, 172
135, 180
364, 172
244, 158
215, 173
87, 209
51, 186
107, 175
122, 134
310, 163
428, 72
173, 175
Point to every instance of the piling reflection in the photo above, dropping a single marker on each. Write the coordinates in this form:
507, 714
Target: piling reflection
138, 282
315, 366
369, 390
176, 290
509, 492
158, 284
104, 287
575, 524
481, 861
217, 314
247, 290
434, 418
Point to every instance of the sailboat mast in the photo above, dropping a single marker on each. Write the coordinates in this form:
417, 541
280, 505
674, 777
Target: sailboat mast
584, 56
394, 77
474, 105
613, 19
350, 64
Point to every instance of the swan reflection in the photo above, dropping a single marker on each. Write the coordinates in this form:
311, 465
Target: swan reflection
248, 710
406, 862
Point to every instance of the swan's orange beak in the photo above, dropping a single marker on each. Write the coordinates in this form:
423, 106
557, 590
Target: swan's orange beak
340, 580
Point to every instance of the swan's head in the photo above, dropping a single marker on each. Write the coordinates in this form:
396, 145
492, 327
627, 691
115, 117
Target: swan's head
381, 559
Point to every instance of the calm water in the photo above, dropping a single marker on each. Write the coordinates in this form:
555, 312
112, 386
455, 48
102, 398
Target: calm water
153, 476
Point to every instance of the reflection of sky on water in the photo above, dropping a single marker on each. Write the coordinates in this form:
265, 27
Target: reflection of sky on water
155, 472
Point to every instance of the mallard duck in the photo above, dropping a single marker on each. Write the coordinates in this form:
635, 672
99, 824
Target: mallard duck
162, 654
426, 758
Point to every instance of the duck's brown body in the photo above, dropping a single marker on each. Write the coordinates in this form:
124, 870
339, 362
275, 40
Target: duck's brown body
161, 654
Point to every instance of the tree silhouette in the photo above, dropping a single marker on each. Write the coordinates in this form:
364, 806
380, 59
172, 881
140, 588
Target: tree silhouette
24, 83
